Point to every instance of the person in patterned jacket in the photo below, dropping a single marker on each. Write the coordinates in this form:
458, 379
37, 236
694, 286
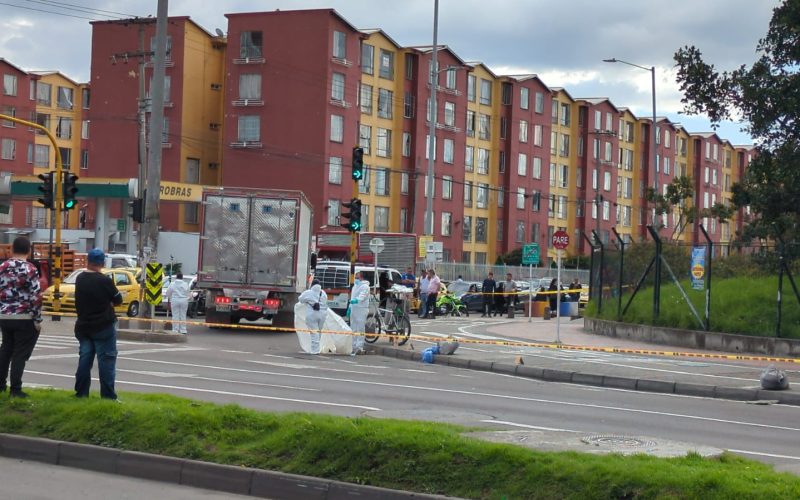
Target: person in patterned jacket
20, 314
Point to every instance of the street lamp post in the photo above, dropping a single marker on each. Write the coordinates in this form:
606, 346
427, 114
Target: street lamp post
434, 77
652, 70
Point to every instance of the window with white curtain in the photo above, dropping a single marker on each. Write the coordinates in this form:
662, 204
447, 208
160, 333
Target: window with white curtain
337, 87
337, 128
249, 129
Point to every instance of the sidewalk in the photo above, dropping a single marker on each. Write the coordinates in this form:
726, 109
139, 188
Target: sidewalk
708, 374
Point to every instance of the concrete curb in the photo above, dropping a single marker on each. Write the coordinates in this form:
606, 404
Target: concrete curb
210, 476
600, 380
158, 336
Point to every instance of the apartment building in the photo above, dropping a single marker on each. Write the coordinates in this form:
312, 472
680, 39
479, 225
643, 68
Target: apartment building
566, 173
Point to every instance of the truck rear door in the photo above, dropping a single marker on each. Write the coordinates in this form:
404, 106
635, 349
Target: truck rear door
273, 238
225, 232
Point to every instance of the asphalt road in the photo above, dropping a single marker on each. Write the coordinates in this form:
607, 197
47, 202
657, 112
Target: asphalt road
266, 371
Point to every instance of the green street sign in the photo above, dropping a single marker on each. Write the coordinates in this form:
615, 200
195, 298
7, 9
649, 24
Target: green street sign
530, 254
120, 224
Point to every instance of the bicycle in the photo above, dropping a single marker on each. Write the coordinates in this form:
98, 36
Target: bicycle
390, 321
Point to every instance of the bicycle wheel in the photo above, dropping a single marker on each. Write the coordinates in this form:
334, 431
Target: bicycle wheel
373, 328
403, 330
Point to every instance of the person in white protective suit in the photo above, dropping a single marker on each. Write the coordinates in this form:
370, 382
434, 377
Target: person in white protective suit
359, 309
316, 301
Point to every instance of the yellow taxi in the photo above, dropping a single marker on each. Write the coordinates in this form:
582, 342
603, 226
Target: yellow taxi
124, 279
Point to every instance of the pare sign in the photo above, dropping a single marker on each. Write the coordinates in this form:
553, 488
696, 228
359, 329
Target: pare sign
560, 240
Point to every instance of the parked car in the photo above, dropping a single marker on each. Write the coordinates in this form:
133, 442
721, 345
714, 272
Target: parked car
124, 279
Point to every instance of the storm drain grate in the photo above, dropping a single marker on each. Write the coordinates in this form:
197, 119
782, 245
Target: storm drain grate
618, 441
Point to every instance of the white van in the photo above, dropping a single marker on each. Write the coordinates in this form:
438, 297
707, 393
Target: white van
334, 277
121, 260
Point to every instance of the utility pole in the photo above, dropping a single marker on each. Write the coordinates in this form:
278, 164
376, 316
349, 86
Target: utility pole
151, 224
434, 81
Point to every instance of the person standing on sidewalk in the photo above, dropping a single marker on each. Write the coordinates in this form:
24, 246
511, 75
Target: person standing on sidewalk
20, 314
96, 326
424, 282
178, 301
488, 288
434, 284
510, 287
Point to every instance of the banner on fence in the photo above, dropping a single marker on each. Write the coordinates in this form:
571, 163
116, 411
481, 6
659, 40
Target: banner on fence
698, 268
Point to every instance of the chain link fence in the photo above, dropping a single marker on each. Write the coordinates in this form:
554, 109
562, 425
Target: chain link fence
449, 271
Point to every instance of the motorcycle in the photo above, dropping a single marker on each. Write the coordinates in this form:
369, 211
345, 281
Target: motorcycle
447, 304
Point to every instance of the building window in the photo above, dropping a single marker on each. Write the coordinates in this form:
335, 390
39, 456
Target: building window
365, 99
466, 257
483, 161
447, 187
333, 212
537, 167
337, 128
471, 84
10, 85
501, 161
506, 89
385, 100
84, 159
447, 223
539, 103
337, 87
382, 182
521, 198
536, 202
9, 111
403, 220
250, 86
64, 128
365, 138
470, 128
191, 210
339, 45
9, 147
449, 152
523, 131
451, 78
85, 129
428, 146
467, 229
65, 97
408, 105
404, 183
367, 59
450, 114
484, 127
480, 229
335, 170
499, 229
563, 176
606, 210
249, 129
406, 144
386, 64
553, 111
537, 135
43, 93
483, 195
251, 43
382, 219
365, 217
524, 97
66, 158
469, 158
552, 175
41, 155
467, 194
363, 184
384, 143
564, 146
520, 233
565, 114
501, 197
522, 164
486, 92
607, 181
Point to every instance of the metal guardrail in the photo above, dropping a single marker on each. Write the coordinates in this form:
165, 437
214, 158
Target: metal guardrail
449, 271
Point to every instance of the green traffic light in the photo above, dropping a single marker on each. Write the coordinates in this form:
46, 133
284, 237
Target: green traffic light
355, 226
358, 174
69, 204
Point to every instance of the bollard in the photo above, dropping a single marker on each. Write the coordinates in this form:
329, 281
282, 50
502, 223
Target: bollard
546, 312
511, 310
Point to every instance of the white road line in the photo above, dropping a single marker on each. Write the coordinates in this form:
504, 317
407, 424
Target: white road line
416, 371
276, 356
39, 345
122, 354
237, 352
489, 395
224, 393
310, 367
771, 455
526, 426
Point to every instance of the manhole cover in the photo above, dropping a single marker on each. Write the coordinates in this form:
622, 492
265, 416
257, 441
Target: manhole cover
618, 441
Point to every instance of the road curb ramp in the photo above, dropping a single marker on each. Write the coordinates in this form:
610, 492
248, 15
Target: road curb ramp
601, 380
210, 476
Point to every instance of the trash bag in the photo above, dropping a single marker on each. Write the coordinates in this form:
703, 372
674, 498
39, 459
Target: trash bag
774, 380
428, 355
448, 347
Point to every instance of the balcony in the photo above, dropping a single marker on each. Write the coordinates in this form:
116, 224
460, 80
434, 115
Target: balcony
450, 128
247, 102
249, 60
246, 145
340, 103
342, 61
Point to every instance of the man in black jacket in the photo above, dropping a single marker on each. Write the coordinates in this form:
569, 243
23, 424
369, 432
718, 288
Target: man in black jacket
488, 288
96, 326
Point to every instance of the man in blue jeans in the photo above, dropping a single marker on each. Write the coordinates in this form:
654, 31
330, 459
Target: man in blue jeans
96, 326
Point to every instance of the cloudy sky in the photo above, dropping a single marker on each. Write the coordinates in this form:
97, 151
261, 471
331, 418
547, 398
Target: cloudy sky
563, 41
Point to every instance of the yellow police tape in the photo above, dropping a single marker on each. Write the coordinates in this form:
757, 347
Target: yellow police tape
505, 343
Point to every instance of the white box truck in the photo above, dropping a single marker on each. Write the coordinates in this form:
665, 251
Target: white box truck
255, 254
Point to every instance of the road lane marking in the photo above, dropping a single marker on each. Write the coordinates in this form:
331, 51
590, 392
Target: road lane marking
237, 352
761, 454
489, 395
309, 367
158, 374
276, 356
526, 426
224, 393
122, 354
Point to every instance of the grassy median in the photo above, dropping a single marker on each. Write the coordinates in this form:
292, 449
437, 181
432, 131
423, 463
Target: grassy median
415, 456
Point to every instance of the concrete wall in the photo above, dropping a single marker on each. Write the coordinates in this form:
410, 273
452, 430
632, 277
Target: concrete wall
712, 341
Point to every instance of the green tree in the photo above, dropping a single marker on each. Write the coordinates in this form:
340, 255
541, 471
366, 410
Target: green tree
679, 193
766, 96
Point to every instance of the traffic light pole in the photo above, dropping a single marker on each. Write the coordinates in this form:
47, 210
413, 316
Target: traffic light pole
58, 186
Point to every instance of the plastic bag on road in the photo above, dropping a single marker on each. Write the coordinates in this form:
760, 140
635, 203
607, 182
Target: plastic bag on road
774, 379
428, 355
447, 347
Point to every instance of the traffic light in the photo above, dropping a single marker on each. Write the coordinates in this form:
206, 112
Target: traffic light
137, 210
46, 189
70, 189
358, 163
354, 225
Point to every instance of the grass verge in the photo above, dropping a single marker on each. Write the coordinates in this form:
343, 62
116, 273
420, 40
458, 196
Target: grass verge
414, 456
738, 305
